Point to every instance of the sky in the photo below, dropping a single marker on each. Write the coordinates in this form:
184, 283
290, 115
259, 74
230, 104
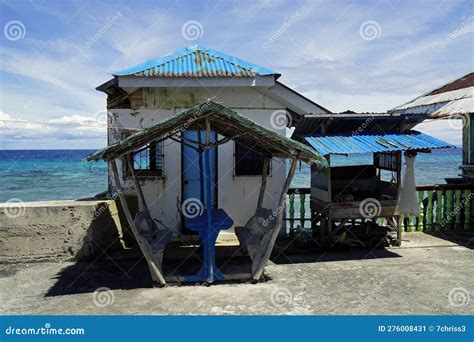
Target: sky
366, 56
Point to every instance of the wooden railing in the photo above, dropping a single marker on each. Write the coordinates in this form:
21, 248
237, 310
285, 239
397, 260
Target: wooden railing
442, 207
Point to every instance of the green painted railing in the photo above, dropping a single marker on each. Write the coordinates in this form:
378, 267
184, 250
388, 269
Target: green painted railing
298, 201
442, 207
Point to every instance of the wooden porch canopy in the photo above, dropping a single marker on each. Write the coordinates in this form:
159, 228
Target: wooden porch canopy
231, 126
226, 122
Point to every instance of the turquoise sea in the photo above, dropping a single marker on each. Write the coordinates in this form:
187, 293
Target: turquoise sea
35, 175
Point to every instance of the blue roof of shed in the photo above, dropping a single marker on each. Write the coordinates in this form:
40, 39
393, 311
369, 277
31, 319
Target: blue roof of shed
196, 61
366, 143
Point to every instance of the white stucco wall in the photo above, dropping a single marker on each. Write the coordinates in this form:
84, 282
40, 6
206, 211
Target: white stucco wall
236, 194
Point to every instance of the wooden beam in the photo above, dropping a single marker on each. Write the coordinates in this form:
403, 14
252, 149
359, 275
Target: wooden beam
257, 138
145, 247
261, 195
201, 164
120, 151
257, 274
398, 220
186, 144
208, 132
224, 141
207, 175
141, 197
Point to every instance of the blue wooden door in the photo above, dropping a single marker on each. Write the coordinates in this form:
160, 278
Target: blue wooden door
191, 184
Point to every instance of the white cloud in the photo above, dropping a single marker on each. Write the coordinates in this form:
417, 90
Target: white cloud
50, 76
446, 130
72, 128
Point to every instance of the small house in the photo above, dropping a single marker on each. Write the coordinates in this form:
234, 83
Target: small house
201, 216
159, 89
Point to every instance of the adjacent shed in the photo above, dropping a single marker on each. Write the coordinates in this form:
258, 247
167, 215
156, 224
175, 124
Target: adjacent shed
361, 196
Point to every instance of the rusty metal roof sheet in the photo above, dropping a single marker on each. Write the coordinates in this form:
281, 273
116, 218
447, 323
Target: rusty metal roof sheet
367, 143
451, 100
196, 61
460, 83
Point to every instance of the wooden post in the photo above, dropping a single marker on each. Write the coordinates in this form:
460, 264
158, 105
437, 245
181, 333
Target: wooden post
263, 186
398, 220
302, 209
201, 165
208, 198
323, 232
145, 247
467, 209
141, 197
268, 247
291, 211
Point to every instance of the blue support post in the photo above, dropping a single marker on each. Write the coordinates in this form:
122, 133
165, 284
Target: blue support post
210, 257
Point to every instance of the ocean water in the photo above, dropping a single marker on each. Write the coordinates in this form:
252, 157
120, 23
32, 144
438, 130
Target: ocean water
36, 175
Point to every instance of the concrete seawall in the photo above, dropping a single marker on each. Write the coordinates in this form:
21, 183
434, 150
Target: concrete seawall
59, 230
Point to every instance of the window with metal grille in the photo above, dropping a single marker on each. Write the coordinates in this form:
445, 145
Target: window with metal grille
248, 162
148, 161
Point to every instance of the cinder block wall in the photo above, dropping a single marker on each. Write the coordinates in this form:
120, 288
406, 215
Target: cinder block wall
59, 230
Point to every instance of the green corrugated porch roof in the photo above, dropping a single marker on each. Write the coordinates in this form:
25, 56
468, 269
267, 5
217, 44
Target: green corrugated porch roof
225, 122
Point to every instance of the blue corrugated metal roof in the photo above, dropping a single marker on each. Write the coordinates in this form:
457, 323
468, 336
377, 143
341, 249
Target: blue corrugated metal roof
196, 61
366, 143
